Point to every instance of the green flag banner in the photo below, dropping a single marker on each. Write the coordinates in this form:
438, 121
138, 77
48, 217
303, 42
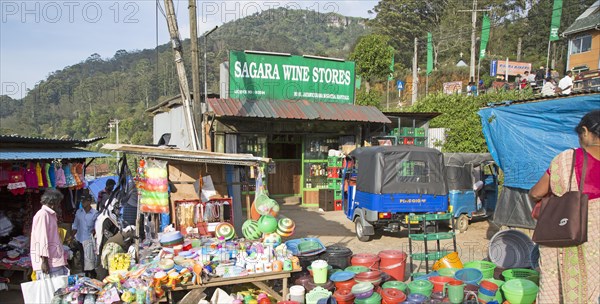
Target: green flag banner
429, 53
555, 24
391, 76
485, 36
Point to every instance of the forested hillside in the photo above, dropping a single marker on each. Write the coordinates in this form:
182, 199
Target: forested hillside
80, 100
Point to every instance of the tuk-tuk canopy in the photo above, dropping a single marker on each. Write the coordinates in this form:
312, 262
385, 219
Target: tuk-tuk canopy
464, 169
400, 169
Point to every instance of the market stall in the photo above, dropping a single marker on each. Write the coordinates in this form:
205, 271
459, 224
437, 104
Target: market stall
28, 165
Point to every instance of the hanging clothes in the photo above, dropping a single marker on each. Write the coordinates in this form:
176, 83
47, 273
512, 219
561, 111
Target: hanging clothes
70, 180
51, 175
38, 173
44, 175
61, 180
17, 182
30, 176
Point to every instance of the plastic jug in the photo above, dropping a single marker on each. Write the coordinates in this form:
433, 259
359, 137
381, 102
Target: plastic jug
319, 270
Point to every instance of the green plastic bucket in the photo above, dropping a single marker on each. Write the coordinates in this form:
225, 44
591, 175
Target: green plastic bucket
424, 287
396, 285
520, 291
486, 268
522, 273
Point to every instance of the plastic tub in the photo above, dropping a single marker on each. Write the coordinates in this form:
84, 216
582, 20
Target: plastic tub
520, 291
486, 268
499, 297
345, 284
396, 285
392, 296
469, 275
337, 256
393, 262
343, 296
362, 290
521, 273
451, 260
368, 260
511, 249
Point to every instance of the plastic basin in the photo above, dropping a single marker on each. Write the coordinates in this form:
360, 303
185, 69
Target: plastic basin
469, 275
520, 291
486, 268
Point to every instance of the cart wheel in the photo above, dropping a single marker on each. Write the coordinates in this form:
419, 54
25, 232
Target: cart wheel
462, 223
359, 231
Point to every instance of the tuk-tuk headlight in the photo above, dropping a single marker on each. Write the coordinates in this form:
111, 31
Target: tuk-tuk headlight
450, 207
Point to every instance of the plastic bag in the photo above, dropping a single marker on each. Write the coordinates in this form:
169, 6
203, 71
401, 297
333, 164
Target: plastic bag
154, 188
42, 291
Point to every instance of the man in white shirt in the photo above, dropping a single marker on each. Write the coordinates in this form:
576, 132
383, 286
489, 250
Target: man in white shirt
549, 88
83, 228
566, 84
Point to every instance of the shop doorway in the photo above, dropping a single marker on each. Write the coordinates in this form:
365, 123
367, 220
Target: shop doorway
284, 176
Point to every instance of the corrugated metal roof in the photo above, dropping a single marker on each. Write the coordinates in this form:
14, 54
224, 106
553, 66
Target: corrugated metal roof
295, 109
47, 153
200, 156
18, 139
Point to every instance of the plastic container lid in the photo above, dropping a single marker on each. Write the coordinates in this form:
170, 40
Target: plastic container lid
374, 298
520, 286
335, 250
365, 258
341, 276
318, 264
362, 287
395, 284
357, 269
368, 275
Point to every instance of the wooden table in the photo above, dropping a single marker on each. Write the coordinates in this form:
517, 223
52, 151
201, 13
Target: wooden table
26, 274
257, 280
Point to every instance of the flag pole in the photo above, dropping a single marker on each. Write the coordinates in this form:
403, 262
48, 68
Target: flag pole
548, 57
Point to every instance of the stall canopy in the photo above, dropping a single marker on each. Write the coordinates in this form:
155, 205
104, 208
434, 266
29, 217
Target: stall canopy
15, 147
523, 138
164, 152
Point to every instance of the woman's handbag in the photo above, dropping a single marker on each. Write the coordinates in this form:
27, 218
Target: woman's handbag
563, 220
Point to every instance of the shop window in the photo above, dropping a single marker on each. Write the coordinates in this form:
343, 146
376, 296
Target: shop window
581, 44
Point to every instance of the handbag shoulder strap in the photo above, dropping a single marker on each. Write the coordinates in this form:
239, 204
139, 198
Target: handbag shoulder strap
583, 171
572, 169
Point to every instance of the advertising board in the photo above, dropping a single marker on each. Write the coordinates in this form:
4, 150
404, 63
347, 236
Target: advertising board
267, 76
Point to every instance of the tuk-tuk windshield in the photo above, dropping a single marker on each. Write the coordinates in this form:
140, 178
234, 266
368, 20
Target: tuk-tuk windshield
400, 169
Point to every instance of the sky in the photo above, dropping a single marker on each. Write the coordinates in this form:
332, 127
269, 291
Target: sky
40, 37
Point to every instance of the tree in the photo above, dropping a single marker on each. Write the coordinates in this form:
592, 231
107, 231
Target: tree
372, 56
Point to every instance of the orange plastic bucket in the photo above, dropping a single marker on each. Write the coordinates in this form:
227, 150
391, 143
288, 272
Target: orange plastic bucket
392, 296
451, 260
393, 262
368, 260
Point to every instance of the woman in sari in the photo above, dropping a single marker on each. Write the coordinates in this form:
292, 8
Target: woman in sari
571, 274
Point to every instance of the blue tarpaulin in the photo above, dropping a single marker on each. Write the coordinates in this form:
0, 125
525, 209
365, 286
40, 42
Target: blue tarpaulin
98, 184
523, 138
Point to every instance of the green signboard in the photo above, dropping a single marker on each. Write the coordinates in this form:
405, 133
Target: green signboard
254, 76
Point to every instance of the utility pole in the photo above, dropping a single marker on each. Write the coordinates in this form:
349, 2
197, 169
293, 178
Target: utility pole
114, 123
415, 80
184, 88
519, 49
473, 37
196, 70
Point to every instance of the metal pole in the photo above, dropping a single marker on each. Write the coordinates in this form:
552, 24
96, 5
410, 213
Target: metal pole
387, 107
195, 70
473, 39
415, 76
204, 103
548, 57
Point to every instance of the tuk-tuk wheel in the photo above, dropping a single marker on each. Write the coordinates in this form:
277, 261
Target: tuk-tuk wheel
462, 223
358, 227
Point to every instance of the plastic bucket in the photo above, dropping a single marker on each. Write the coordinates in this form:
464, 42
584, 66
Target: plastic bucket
511, 249
486, 268
343, 296
520, 291
521, 273
368, 260
423, 287
375, 298
451, 260
439, 282
319, 271
488, 288
337, 256
393, 262
469, 275
499, 283
392, 296
297, 293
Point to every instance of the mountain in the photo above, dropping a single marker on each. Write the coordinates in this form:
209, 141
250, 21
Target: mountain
80, 100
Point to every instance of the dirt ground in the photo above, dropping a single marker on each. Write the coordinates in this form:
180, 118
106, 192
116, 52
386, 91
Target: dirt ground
334, 228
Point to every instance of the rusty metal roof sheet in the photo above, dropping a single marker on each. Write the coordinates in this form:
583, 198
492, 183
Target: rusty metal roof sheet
295, 109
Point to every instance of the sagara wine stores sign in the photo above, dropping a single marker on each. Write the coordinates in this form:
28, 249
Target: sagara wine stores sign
257, 76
